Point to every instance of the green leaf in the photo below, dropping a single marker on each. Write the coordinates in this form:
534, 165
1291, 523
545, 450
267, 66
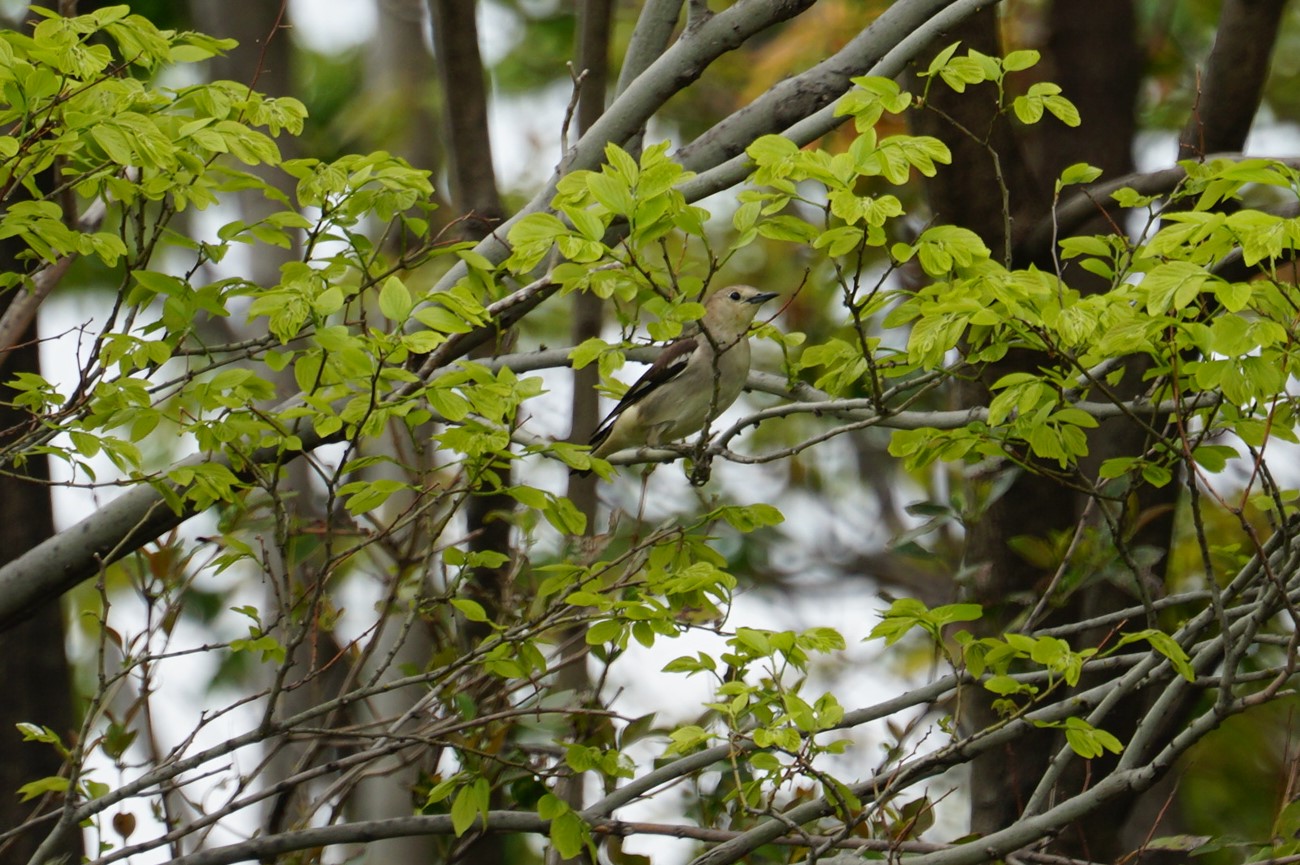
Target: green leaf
395, 300
907, 613
464, 810
1003, 685
441, 319
1165, 645
531, 238
1156, 475
785, 227
36, 789
1020, 60
364, 496
569, 835
686, 739
443, 789
588, 351
950, 613
34, 733
471, 610
822, 639
701, 663
272, 650
582, 598
115, 142
1028, 111
587, 223
1214, 458
564, 515
612, 192
1065, 111
606, 631
1088, 741
448, 404
768, 149
551, 806
941, 59
747, 519
1173, 285
1079, 172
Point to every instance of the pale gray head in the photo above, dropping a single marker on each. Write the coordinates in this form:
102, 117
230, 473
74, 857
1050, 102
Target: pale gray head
730, 311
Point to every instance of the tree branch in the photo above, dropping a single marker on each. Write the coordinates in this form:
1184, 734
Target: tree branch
654, 28
799, 96
1086, 203
142, 514
673, 71
714, 173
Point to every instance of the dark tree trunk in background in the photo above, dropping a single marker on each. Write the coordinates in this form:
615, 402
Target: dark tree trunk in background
399, 74
1036, 506
592, 53
34, 668
1092, 51
968, 194
473, 185
1231, 84
476, 202
1106, 96
33, 665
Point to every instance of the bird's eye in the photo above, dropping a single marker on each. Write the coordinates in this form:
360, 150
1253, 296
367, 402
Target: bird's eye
735, 295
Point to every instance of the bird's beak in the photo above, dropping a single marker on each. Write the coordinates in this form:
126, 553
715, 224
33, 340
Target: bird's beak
762, 297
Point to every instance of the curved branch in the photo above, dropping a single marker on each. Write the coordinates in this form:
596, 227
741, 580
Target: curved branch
654, 28
464, 85
714, 176
639, 99
135, 518
795, 98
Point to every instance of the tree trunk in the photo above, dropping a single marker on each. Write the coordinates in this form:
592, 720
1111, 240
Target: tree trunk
1034, 505
33, 664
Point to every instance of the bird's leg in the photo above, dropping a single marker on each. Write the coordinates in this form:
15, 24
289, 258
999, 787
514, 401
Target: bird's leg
702, 469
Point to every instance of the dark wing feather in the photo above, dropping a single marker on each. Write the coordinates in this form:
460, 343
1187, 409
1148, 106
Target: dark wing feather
667, 366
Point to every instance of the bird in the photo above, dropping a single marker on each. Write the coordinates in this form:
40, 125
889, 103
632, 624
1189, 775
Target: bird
691, 382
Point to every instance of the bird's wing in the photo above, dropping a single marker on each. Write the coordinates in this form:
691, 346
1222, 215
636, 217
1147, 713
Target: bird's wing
667, 366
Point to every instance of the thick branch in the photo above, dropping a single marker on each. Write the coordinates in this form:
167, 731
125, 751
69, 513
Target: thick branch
137, 517
622, 121
716, 173
795, 98
654, 29
261, 849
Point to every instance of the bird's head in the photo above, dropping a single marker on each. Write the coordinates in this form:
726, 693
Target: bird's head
730, 311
